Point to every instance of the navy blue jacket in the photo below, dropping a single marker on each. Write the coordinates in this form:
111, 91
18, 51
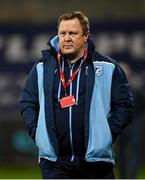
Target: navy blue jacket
108, 106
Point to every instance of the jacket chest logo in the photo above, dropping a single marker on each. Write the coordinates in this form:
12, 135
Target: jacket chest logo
98, 70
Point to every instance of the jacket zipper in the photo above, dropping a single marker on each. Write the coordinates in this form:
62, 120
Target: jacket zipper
70, 109
70, 120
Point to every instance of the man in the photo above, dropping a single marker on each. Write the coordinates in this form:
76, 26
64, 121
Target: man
75, 103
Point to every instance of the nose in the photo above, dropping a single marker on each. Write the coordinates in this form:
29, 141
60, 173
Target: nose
67, 37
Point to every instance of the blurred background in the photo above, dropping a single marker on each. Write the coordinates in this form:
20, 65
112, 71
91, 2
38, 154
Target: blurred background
118, 29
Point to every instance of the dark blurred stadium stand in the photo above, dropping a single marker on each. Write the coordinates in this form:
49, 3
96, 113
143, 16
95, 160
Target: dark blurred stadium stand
118, 28
42, 11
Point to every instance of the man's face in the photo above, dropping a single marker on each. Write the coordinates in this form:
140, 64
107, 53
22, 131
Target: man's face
72, 40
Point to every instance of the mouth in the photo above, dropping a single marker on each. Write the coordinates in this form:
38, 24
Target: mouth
67, 46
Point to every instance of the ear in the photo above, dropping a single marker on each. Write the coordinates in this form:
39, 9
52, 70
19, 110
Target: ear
87, 36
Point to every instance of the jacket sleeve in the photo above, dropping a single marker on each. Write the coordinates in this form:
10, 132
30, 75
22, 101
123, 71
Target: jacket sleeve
122, 105
29, 103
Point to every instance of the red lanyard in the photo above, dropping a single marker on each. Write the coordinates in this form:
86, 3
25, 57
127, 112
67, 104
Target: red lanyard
64, 83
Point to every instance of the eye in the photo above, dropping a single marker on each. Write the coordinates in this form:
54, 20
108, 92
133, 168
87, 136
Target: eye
62, 34
73, 33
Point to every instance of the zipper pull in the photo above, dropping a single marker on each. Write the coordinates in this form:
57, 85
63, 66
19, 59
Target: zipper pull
86, 70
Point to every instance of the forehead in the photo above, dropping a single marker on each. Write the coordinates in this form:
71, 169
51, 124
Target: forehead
70, 24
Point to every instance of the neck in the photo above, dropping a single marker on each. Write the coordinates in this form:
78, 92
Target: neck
74, 59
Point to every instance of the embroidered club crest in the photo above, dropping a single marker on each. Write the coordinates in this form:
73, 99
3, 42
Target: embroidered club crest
98, 70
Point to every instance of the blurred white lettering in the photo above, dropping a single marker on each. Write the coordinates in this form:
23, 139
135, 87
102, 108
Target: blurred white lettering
16, 50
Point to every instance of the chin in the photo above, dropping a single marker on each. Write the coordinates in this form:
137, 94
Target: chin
67, 52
